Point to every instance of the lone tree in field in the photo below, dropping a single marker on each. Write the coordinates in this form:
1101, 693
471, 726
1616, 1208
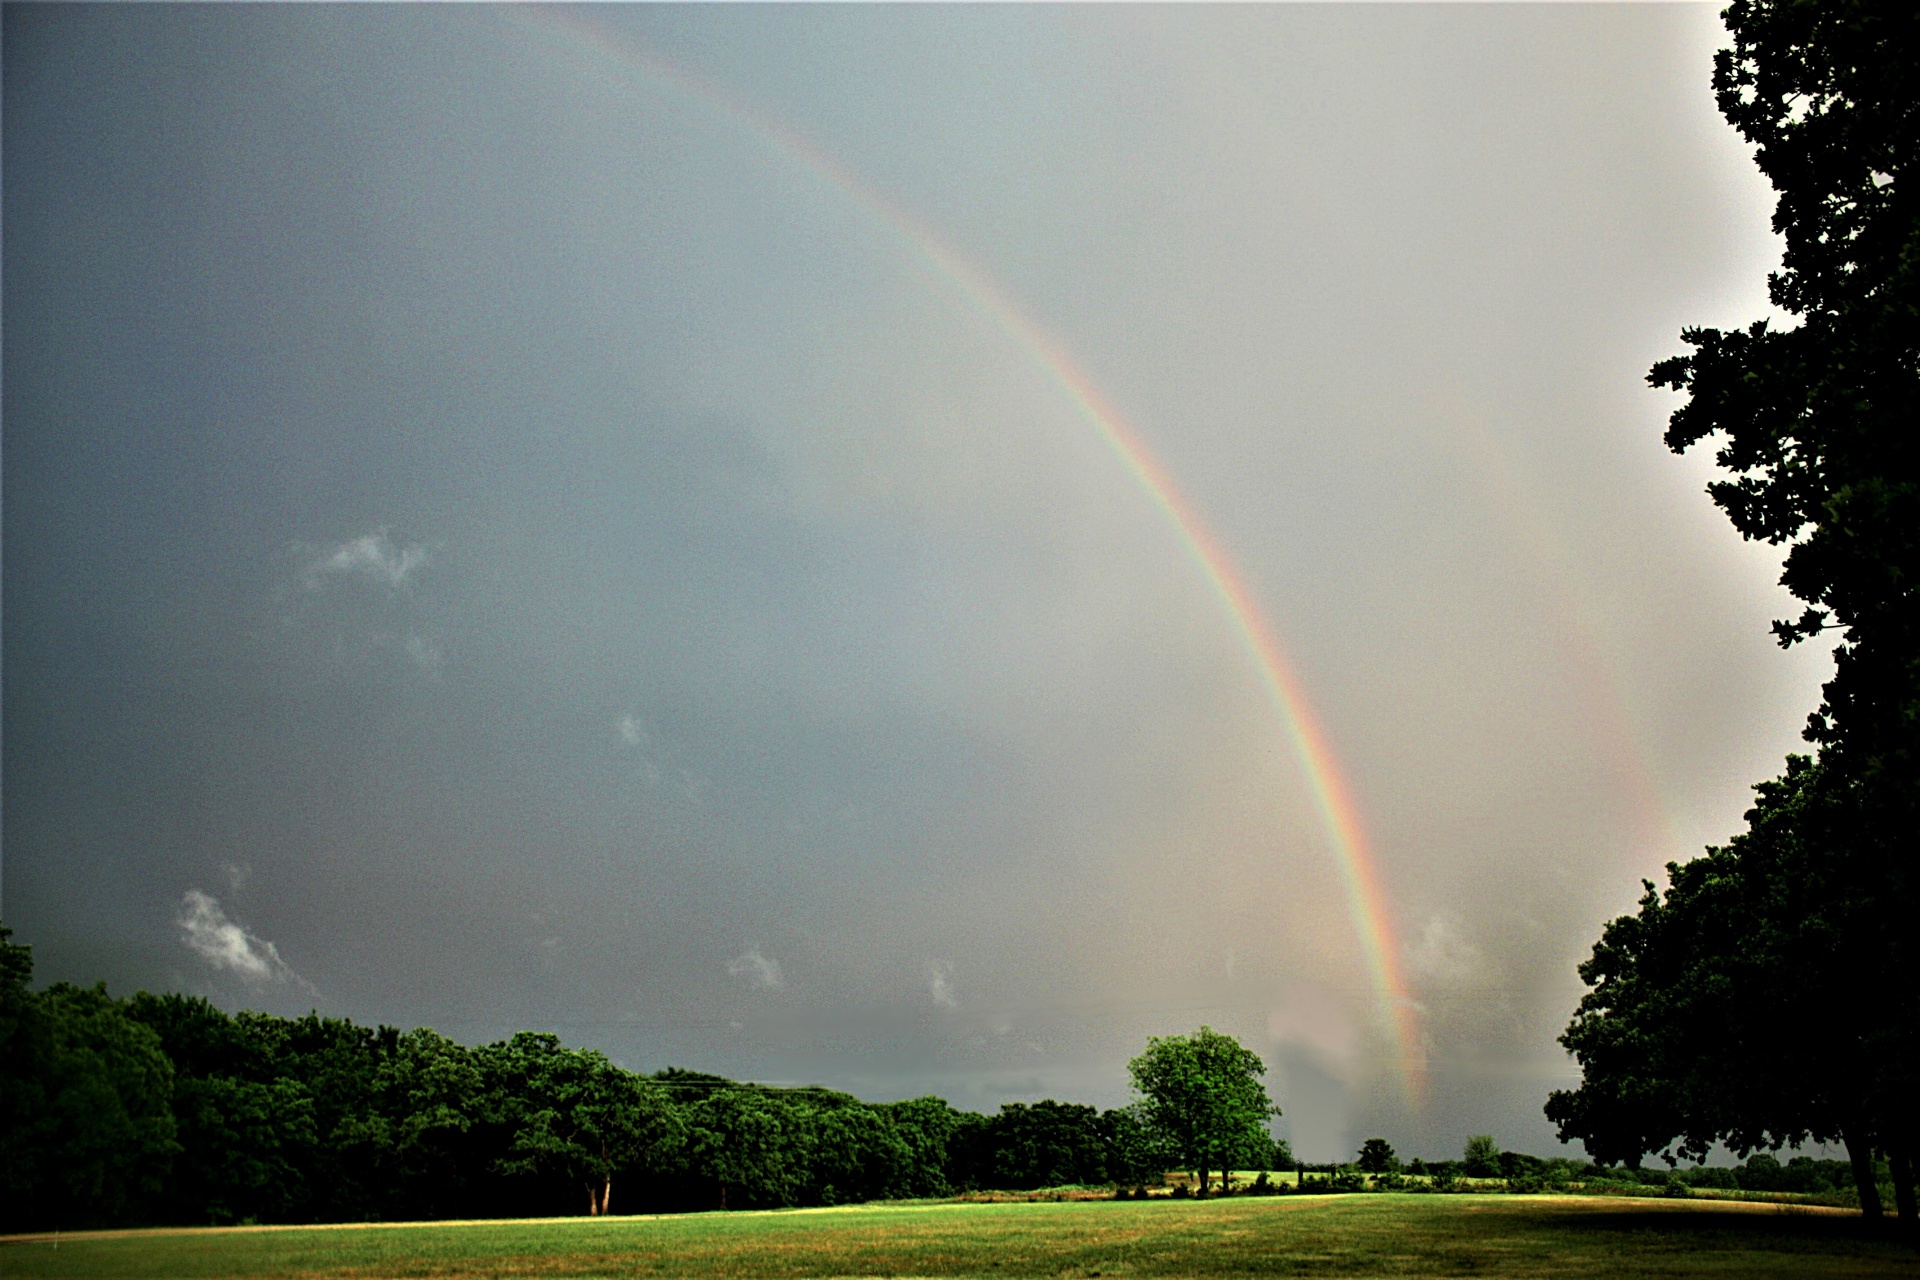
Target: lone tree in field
1203, 1098
1377, 1157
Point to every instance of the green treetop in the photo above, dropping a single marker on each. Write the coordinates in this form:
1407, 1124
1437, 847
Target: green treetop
1203, 1098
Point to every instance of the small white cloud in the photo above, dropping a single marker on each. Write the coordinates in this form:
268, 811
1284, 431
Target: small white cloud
632, 730
940, 984
1443, 956
371, 556
761, 971
226, 944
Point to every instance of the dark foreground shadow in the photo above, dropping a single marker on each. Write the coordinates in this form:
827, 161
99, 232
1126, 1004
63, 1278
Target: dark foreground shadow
1786, 1229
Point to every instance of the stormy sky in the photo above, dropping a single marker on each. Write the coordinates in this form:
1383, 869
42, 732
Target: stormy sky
501, 530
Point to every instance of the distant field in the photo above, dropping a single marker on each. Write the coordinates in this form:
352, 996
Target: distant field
1360, 1235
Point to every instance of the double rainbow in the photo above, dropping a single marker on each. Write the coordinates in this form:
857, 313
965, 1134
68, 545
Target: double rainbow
598, 53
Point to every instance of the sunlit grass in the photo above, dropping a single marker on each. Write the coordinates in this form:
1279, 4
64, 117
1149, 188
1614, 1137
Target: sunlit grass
1366, 1235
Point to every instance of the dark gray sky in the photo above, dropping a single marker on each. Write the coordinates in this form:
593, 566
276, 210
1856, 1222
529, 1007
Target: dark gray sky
494, 541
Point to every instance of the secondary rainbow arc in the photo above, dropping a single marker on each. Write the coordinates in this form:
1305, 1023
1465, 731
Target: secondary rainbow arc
1333, 797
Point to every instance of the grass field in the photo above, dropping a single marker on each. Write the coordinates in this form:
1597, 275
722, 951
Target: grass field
1362, 1235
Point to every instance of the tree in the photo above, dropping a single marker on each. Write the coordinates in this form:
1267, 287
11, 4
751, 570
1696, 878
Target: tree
1043, 1144
1377, 1157
926, 1126
575, 1114
755, 1146
858, 1154
247, 1134
1136, 1154
86, 1122
1680, 1038
1482, 1157
1203, 1097
1814, 421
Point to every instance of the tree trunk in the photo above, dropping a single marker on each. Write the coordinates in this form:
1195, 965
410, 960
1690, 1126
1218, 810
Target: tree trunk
1860, 1153
1226, 1182
593, 1202
1203, 1181
606, 1194
1901, 1160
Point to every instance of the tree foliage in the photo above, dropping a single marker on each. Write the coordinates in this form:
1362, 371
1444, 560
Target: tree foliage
1482, 1157
1680, 1040
1203, 1097
1376, 1156
1815, 419
165, 1109
86, 1127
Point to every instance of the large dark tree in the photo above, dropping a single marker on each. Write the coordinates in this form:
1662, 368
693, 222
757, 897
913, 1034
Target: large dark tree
1722, 1011
1815, 419
1809, 917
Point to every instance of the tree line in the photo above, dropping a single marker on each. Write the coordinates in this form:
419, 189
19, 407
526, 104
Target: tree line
1764, 997
165, 1109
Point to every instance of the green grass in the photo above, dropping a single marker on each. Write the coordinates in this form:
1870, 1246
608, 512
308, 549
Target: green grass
1368, 1235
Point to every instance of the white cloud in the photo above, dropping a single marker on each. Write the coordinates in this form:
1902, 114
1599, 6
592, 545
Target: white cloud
1443, 956
371, 556
632, 730
940, 984
762, 971
225, 944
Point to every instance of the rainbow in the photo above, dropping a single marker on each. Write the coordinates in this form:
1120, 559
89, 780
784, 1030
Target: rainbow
610, 59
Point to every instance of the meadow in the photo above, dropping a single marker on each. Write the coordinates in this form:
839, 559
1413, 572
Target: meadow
1368, 1235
